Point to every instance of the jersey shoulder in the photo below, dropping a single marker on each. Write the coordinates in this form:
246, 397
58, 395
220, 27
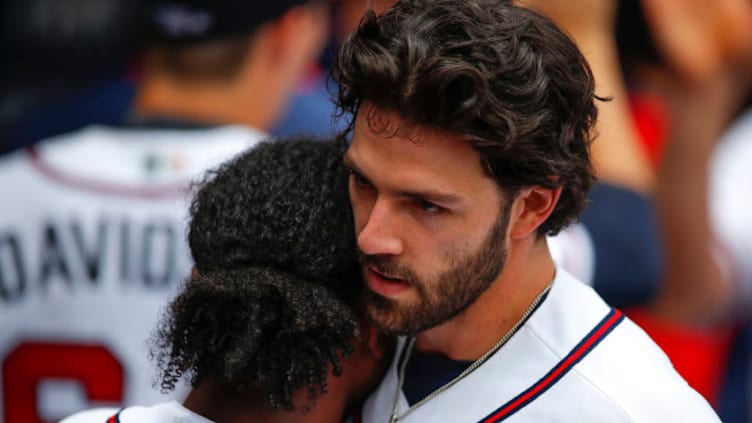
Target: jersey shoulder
97, 415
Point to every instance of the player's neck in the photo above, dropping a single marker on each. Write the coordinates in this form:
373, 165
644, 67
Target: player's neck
214, 103
474, 332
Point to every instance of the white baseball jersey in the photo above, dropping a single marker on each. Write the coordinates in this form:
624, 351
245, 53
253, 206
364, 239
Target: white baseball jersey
731, 206
167, 412
92, 245
574, 360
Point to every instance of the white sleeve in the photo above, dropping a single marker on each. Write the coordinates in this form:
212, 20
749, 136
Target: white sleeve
97, 415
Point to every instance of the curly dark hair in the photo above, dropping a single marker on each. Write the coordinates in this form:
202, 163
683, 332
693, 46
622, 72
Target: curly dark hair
504, 78
268, 309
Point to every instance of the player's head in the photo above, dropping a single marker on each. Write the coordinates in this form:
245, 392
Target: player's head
210, 38
268, 309
259, 50
471, 130
503, 78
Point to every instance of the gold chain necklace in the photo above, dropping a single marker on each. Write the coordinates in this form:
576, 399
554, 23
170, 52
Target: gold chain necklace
395, 417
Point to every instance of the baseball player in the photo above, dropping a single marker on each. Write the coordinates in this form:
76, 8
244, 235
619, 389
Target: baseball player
92, 247
92, 227
263, 329
470, 143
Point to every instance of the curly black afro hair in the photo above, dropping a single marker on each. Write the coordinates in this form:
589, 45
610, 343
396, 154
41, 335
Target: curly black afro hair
268, 310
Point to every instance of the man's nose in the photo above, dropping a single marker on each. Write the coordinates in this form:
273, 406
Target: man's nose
380, 235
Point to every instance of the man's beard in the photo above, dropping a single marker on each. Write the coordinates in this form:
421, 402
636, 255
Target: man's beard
447, 295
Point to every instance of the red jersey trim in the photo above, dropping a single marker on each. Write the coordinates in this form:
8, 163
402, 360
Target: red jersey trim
92, 185
587, 344
115, 418
358, 414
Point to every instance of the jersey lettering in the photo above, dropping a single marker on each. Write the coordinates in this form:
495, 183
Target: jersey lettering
155, 234
12, 274
73, 256
92, 257
51, 258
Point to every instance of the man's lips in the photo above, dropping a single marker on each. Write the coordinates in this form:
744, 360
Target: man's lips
385, 285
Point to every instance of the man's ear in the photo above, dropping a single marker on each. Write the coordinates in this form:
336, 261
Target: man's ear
532, 206
194, 272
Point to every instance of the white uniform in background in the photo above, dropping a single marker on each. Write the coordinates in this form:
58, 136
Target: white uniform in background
731, 208
574, 360
92, 245
572, 249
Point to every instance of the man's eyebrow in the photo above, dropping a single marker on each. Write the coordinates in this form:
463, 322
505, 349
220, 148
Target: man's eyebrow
443, 197
351, 166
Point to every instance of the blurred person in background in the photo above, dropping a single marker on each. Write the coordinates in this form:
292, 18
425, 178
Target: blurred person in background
696, 94
92, 228
62, 64
266, 329
84, 63
700, 315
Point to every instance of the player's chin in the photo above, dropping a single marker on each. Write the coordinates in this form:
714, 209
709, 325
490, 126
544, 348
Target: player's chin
390, 316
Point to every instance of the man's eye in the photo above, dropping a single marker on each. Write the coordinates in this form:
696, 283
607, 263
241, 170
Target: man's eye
359, 179
429, 207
